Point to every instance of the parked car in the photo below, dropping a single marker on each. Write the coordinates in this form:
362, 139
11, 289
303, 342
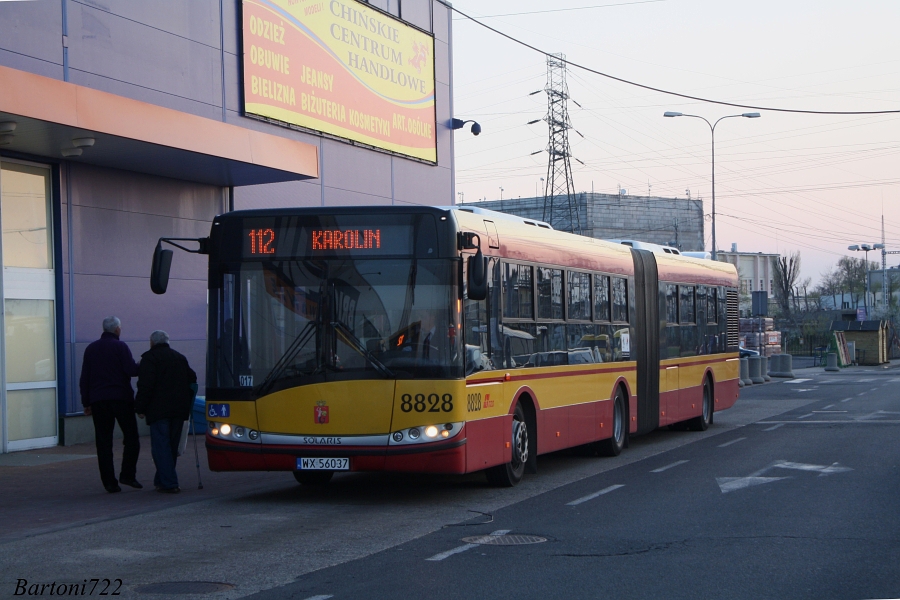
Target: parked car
747, 352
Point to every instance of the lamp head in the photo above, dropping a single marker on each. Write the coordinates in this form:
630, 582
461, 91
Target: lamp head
670, 113
878, 247
853, 247
459, 124
865, 247
753, 115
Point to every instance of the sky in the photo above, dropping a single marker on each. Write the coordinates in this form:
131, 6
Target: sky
784, 182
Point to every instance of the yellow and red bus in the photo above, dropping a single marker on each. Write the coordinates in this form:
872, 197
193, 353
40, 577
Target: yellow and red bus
444, 340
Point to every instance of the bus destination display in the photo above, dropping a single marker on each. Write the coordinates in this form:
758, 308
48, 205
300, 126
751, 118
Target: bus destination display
287, 238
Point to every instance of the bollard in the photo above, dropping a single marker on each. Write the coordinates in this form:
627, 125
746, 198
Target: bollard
745, 372
764, 368
832, 362
754, 363
775, 368
787, 366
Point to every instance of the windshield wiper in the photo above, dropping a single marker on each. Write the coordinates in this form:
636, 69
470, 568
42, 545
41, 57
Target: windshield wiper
287, 358
355, 343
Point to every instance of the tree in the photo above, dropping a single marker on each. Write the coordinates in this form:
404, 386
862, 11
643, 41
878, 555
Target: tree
787, 273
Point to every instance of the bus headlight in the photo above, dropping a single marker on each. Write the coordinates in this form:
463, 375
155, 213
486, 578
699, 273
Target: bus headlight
425, 434
414, 433
253, 435
239, 432
431, 431
398, 436
225, 429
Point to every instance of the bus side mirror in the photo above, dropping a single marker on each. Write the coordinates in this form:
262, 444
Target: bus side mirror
477, 280
159, 272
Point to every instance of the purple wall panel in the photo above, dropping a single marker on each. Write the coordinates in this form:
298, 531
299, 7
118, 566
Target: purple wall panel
417, 12
133, 236
411, 188
181, 312
336, 197
356, 169
32, 29
440, 21
113, 47
132, 192
278, 195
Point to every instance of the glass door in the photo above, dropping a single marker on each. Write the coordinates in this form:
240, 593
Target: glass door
28, 406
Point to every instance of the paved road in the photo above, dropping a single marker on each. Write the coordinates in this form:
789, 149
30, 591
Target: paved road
785, 496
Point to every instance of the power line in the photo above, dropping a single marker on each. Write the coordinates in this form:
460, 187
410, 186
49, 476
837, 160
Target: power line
671, 93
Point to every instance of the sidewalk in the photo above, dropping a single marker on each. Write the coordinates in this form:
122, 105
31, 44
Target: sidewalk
57, 488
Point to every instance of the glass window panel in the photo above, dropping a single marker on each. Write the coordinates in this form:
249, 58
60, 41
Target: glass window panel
701, 303
519, 344
671, 304
550, 293
579, 296
711, 316
518, 292
551, 345
582, 341
601, 298
31, 413
30, 341
688, 307
24, 205
619, 299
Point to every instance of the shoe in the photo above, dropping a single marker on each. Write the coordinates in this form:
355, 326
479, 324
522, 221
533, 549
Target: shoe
112, 489
132, 483
173, 490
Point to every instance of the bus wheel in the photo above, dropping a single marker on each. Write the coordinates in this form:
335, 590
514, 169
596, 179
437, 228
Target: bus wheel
702, 422
313, 477
613, 446
511, 473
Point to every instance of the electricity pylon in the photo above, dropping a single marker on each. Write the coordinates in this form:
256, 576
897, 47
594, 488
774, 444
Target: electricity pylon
560, 207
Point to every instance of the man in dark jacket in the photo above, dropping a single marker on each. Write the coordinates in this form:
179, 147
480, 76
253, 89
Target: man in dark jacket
165, 399
107, 396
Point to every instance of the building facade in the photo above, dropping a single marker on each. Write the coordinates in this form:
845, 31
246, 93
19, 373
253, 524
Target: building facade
756, 272
674, 222
122, 122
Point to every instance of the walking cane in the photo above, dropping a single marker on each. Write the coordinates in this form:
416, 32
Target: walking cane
194, 387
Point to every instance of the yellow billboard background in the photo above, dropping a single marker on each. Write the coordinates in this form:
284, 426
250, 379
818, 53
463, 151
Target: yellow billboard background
343, 68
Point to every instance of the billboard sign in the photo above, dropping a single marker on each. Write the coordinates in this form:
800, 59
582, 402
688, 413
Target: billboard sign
342, 68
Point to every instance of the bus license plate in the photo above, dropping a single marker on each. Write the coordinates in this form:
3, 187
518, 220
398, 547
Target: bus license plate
323, 464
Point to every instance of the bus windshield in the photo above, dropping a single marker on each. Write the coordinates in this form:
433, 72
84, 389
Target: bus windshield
292, 322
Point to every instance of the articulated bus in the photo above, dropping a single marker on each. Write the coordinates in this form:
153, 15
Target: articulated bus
445, 340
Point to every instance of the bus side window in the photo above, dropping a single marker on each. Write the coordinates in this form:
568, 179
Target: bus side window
619, 300
671, 304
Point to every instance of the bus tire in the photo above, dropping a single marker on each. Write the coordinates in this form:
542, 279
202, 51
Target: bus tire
613, 446
703, 422
313, 477
509, 474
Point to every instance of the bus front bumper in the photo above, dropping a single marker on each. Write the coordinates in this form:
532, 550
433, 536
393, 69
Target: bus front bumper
435, 457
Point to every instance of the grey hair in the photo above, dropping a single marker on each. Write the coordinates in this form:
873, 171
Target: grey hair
159, 337
110, 324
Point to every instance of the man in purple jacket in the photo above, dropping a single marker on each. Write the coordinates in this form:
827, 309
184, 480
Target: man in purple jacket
107, 396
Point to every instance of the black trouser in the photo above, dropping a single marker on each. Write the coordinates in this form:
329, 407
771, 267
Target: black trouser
105, 414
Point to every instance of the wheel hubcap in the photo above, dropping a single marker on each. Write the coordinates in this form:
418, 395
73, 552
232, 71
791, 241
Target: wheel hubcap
520, 442
617, 422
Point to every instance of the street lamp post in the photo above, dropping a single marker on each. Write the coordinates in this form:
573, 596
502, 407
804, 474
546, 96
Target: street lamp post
712, 131
866, 248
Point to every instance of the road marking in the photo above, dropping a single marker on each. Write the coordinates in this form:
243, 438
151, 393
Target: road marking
895, 380
861, 394
829, 411
731, 442
821, 469
797, 380
846, 399
321, 597
667, 467
804, 416
866, 380
731, 484
774, 427
827, 407
595, 494
463, 548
